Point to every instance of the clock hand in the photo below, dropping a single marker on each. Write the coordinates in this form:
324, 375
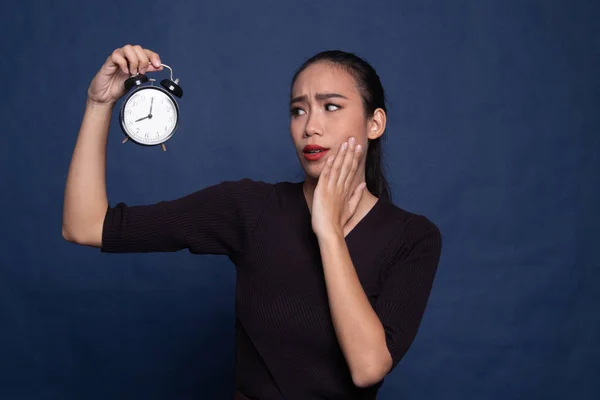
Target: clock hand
149, 113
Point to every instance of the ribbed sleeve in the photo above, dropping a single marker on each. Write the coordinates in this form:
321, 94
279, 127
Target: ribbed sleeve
218, 219
407, 285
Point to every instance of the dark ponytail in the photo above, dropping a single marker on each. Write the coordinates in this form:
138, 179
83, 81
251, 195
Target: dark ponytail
373, 97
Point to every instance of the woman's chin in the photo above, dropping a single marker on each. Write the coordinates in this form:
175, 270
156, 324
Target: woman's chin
312, 171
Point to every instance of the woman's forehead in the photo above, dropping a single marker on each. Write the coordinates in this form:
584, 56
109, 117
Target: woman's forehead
323, 78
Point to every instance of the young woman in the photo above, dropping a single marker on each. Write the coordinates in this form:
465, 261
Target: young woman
332, 277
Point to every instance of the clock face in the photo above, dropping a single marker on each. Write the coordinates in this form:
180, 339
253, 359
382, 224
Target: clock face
149, 116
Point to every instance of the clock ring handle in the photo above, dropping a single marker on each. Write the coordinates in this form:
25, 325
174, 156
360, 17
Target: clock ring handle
170, 69
171, 85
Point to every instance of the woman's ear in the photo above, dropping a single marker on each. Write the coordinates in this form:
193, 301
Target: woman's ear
377, 124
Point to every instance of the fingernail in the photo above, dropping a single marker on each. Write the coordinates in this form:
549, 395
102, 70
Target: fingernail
351, 140
344, 145
358, 148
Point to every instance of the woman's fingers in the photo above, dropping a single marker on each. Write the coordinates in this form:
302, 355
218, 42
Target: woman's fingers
346, 170
132, 59
346, 165
154, 60
142, 58
340, 170
118, 58
135, 59
354, 161
336, 168
326, 171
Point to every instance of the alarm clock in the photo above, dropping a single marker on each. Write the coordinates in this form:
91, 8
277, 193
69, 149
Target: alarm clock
150, 114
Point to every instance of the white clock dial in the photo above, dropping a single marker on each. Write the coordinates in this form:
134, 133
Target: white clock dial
150, 116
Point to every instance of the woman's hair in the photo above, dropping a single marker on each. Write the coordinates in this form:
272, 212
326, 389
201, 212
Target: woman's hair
373, 97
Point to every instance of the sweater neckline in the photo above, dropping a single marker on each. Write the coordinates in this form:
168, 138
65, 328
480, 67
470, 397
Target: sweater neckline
363, 221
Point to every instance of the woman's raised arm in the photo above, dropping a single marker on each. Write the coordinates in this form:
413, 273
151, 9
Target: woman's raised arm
85, 200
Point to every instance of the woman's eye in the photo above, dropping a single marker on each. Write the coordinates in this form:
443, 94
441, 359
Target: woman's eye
331, 107
297, 111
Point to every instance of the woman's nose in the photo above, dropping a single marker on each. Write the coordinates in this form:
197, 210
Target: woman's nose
313, 126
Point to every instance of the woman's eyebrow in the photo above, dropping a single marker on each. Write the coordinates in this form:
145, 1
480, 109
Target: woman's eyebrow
318, 96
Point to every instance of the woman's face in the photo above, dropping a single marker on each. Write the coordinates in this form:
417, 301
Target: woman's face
326, 110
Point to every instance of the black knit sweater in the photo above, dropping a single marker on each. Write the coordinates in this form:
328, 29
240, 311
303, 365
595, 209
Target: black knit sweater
286, 346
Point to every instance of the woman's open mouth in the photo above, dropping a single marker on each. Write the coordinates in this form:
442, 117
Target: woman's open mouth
315, 155
313, 152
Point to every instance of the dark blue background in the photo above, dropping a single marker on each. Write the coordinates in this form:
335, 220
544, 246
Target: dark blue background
493, 134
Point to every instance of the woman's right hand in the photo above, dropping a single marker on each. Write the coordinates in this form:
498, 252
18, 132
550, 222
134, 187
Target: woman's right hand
108, 85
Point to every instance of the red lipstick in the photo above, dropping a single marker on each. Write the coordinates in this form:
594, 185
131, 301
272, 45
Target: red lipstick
313, 152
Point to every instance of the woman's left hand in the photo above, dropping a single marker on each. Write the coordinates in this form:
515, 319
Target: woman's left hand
334, 201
